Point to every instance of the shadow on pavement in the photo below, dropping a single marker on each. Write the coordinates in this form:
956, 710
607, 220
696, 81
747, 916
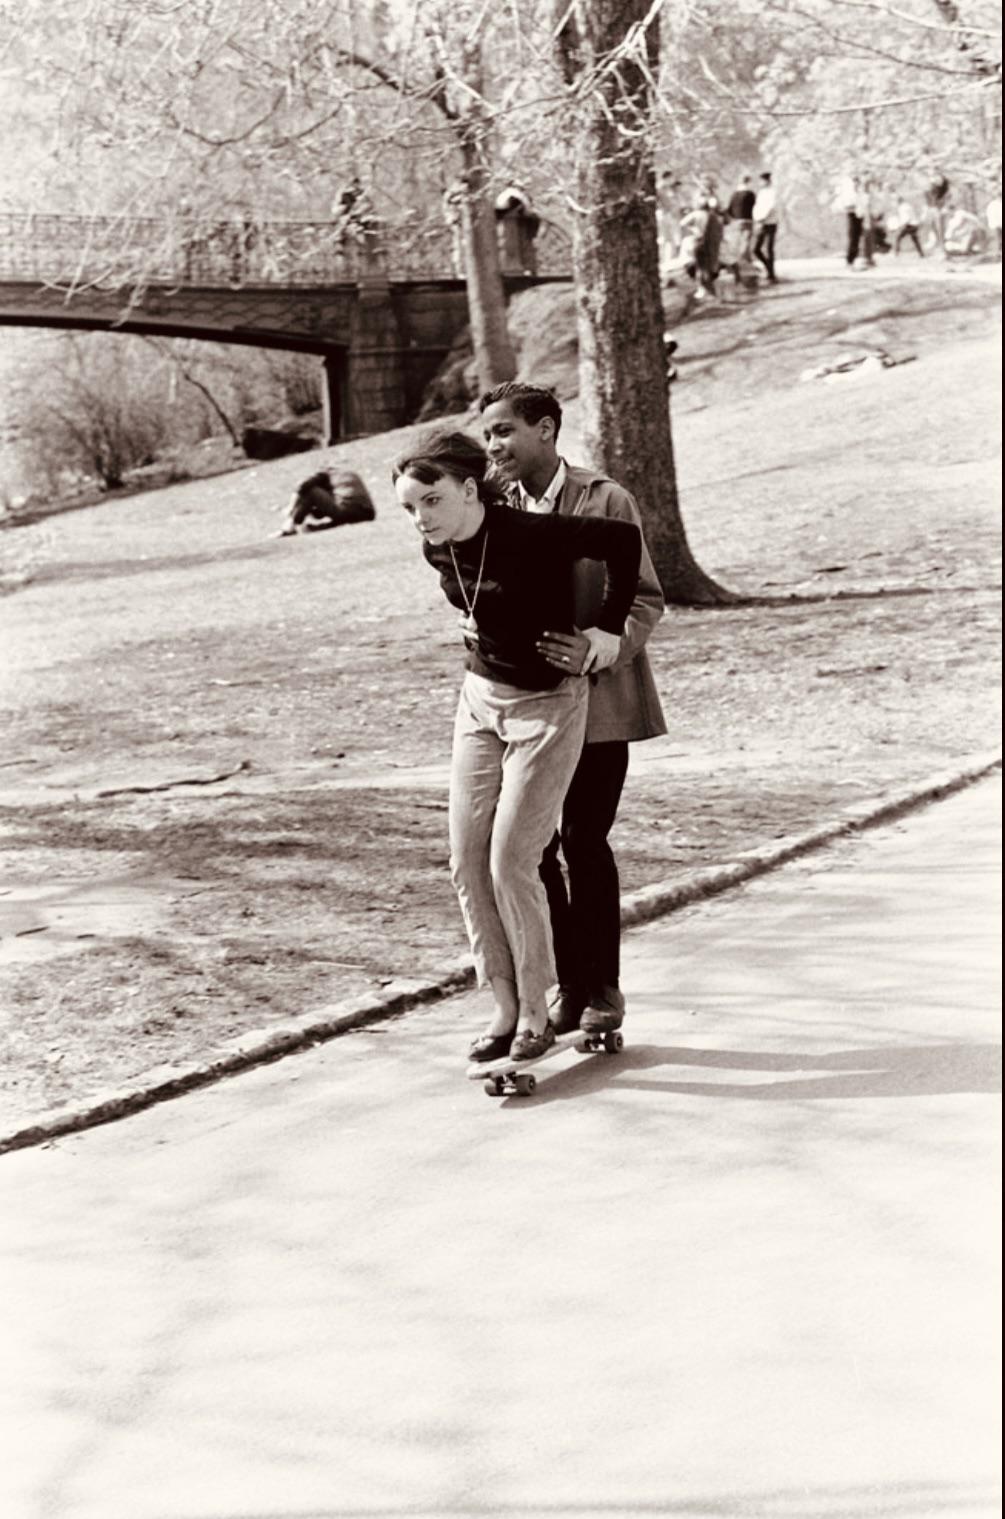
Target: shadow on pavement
926, 1070
906, 1500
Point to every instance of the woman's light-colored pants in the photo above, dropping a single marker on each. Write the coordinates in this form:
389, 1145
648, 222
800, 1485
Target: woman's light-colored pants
514, 755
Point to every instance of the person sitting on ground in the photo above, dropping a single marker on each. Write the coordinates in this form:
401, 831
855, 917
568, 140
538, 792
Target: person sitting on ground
964, 232
331, 498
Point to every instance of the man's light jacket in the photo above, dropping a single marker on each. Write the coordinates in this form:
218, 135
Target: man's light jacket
624, 702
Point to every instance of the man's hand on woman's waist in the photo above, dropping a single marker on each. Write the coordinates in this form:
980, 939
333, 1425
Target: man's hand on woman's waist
580, 653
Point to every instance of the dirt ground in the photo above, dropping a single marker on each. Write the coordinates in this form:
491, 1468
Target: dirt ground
222, 790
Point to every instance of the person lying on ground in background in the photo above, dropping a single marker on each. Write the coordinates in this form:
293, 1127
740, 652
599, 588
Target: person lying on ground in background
522, 712
331, 498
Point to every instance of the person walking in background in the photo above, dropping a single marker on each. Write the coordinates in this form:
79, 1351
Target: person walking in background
741, 212
702, 228
908, 222
708, 242
668, 218
521, 425
766, 223
877, 218
936, 199
522, 712
846, 203
860, 253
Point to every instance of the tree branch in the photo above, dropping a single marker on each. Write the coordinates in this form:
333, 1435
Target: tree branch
854, 46
203, 390
893, 13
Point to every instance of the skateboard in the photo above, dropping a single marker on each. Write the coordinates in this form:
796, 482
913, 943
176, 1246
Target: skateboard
506, 1077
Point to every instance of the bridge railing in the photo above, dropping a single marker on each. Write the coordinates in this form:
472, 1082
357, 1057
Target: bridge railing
117, 252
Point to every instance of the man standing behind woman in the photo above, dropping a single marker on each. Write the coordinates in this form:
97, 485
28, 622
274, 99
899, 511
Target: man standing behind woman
522, 712
520, 425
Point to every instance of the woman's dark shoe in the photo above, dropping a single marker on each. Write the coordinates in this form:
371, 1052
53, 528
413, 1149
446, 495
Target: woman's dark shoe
528, 1046
490, 1047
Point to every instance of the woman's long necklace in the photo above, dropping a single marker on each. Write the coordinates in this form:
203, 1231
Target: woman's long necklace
467, 622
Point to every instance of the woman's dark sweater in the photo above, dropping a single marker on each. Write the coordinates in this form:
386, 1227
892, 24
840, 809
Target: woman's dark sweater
527, 586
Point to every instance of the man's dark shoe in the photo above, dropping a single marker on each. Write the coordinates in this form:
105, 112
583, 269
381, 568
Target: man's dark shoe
528, 1046
566, 1008
604, 1012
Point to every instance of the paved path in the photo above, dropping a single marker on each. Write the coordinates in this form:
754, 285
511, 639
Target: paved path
746, 1269
907, 266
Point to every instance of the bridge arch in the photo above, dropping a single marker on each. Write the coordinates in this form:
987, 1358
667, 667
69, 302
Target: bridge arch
381, 322
333, 356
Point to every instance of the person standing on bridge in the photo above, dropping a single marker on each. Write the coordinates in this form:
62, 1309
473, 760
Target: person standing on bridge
522, 713
521, 425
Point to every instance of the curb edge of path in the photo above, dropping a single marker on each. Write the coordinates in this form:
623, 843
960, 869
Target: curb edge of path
261, 1046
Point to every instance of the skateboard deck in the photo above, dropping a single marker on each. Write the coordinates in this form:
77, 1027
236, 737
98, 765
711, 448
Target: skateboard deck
506, 1077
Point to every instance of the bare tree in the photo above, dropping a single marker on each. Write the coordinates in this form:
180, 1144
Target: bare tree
251, 107
98, 413
608, 51
459, 93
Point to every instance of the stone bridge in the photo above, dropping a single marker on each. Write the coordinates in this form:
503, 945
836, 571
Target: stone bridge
380, 309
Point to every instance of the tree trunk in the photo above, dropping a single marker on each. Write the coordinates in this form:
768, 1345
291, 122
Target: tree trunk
622, 365
493, 350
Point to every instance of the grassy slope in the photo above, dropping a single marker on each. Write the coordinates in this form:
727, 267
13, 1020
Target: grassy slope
165, 636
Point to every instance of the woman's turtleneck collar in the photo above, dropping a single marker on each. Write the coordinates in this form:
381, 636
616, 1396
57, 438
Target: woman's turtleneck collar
476, 533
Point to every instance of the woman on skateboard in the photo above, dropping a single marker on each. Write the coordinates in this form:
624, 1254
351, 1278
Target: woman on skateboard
521, 717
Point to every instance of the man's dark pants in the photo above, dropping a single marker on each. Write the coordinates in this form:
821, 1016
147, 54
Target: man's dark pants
586, 918
854, 238
764, 248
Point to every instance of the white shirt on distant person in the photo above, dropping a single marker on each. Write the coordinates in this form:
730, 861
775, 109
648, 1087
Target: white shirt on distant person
766, 205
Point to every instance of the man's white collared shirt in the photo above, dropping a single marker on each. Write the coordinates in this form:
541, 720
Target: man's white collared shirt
549, 501
766, 205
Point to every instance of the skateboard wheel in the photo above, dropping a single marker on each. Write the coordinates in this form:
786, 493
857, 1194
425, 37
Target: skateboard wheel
491, 1087
614, 1042
583, 1046
525, 1084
